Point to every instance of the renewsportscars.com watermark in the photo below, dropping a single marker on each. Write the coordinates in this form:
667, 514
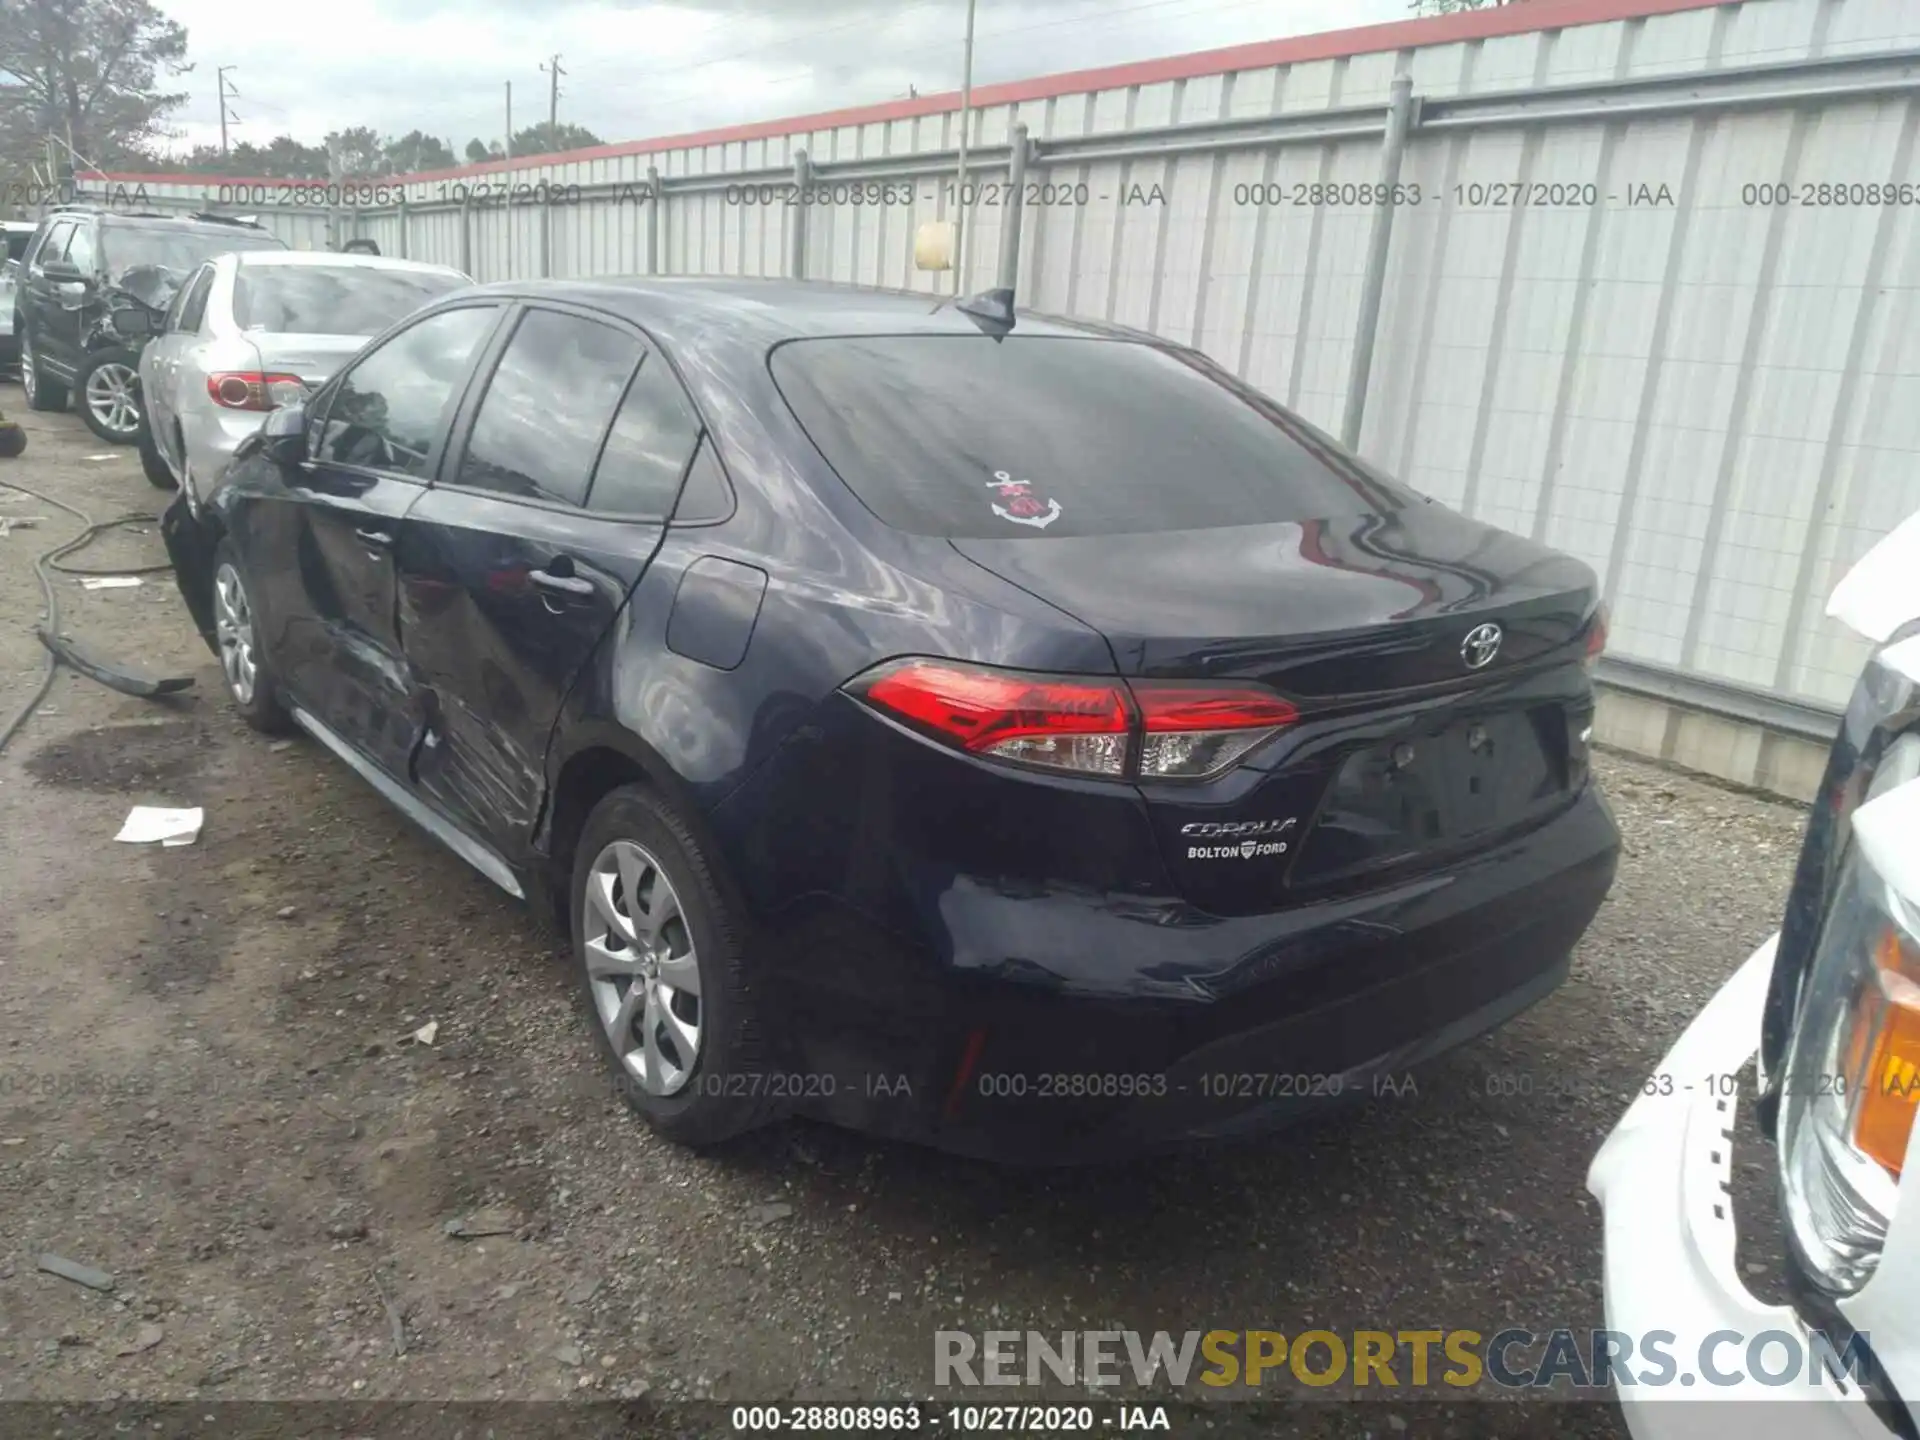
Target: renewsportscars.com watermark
1511, 1359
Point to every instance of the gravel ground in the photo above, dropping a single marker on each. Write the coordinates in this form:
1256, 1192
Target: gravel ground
206, 1089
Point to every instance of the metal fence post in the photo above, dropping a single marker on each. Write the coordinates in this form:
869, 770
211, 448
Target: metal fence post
797, 240
1013, 211
546, 232
466, 232
654, 199
1374, 278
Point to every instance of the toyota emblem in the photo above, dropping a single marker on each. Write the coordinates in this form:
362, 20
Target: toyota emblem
1480, 646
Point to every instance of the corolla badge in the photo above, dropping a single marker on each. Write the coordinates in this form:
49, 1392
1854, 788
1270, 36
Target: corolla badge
1480, 646
1021, 505
1237, 835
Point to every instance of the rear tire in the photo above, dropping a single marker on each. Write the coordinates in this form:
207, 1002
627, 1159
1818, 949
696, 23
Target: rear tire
109, 395
243, 660
43, 392
650, 915
152, 463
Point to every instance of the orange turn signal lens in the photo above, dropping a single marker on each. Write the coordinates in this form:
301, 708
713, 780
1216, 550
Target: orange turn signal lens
1887, 1030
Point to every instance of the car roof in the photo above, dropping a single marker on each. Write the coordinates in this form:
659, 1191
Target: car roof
705, 311
340, 260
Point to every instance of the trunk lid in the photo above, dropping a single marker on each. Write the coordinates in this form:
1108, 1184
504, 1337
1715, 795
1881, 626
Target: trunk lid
1415, 745
314, 358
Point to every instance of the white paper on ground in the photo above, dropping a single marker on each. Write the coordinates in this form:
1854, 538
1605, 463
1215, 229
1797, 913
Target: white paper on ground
147, 823
109, 582
104, 455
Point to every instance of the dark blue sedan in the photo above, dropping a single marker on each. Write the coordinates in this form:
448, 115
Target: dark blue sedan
1027, 739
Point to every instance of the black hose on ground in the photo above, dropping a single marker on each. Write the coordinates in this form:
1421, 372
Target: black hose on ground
43, 567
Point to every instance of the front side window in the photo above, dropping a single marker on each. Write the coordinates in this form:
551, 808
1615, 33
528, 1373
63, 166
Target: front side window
80, 250
547, 408
388, 411
54, 244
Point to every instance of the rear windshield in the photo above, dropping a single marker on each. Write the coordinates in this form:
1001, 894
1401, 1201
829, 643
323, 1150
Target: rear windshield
175, 247
965, 437
331, 299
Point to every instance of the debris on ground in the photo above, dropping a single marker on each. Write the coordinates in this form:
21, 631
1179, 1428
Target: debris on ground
482, 1223
426, 1033
109, 582
768, 1214
149, 1336
396, 1322
11, 523
76, 1272
147, 823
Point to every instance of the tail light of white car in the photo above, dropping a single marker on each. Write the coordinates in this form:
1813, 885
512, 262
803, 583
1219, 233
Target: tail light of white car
1851, 1080
254, 389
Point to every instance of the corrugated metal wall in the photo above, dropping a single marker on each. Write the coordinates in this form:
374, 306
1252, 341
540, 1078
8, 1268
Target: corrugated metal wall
1712, 399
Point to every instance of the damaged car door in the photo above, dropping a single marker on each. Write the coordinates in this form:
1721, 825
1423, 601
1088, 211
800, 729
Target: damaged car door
376, 435
552, 501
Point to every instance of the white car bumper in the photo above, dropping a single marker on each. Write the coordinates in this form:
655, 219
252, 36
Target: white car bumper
1661, 1180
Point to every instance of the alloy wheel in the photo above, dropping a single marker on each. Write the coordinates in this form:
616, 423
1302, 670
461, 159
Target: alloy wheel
641, 968
27, 380
110, 398
233, 628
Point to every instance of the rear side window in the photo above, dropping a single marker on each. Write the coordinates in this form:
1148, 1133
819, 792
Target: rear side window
547, 408
966, 437
193, 300
331, 299
648, 448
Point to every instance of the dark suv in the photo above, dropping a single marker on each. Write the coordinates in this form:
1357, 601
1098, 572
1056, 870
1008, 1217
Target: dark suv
75, 262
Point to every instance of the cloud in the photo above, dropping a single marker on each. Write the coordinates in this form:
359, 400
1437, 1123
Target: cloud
638, 68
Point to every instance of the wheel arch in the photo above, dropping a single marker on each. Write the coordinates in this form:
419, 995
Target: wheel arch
584, 767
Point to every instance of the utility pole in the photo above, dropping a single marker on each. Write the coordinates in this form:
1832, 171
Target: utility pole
554, 72
220, 77
966, 122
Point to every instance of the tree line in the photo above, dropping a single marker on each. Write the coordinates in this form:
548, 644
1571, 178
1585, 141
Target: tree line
104, 78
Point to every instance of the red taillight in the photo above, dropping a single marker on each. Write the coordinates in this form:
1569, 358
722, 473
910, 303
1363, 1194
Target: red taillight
1596, 634
1084, 725
253, 390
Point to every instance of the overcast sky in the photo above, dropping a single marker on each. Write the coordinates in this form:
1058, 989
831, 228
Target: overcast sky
638, 68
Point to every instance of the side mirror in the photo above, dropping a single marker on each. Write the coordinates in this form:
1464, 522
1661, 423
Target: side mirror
131, 324
283, 434
62, 272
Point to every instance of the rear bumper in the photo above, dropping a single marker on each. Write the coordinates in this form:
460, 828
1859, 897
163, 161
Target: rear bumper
211, 439
1067, 1027
1670, 1232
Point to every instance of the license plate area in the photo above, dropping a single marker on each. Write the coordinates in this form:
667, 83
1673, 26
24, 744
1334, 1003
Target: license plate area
1435, 790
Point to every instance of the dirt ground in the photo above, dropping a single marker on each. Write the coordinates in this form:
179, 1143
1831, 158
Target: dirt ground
206, 1089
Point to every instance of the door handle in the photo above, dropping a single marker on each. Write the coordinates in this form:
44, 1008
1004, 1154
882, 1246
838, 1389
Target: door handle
379, 539
566, 584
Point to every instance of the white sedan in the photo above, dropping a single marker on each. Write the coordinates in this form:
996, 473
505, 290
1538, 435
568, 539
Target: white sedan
250, 331
1831, 1007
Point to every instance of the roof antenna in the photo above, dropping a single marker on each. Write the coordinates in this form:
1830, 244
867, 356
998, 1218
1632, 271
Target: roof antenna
991, 310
